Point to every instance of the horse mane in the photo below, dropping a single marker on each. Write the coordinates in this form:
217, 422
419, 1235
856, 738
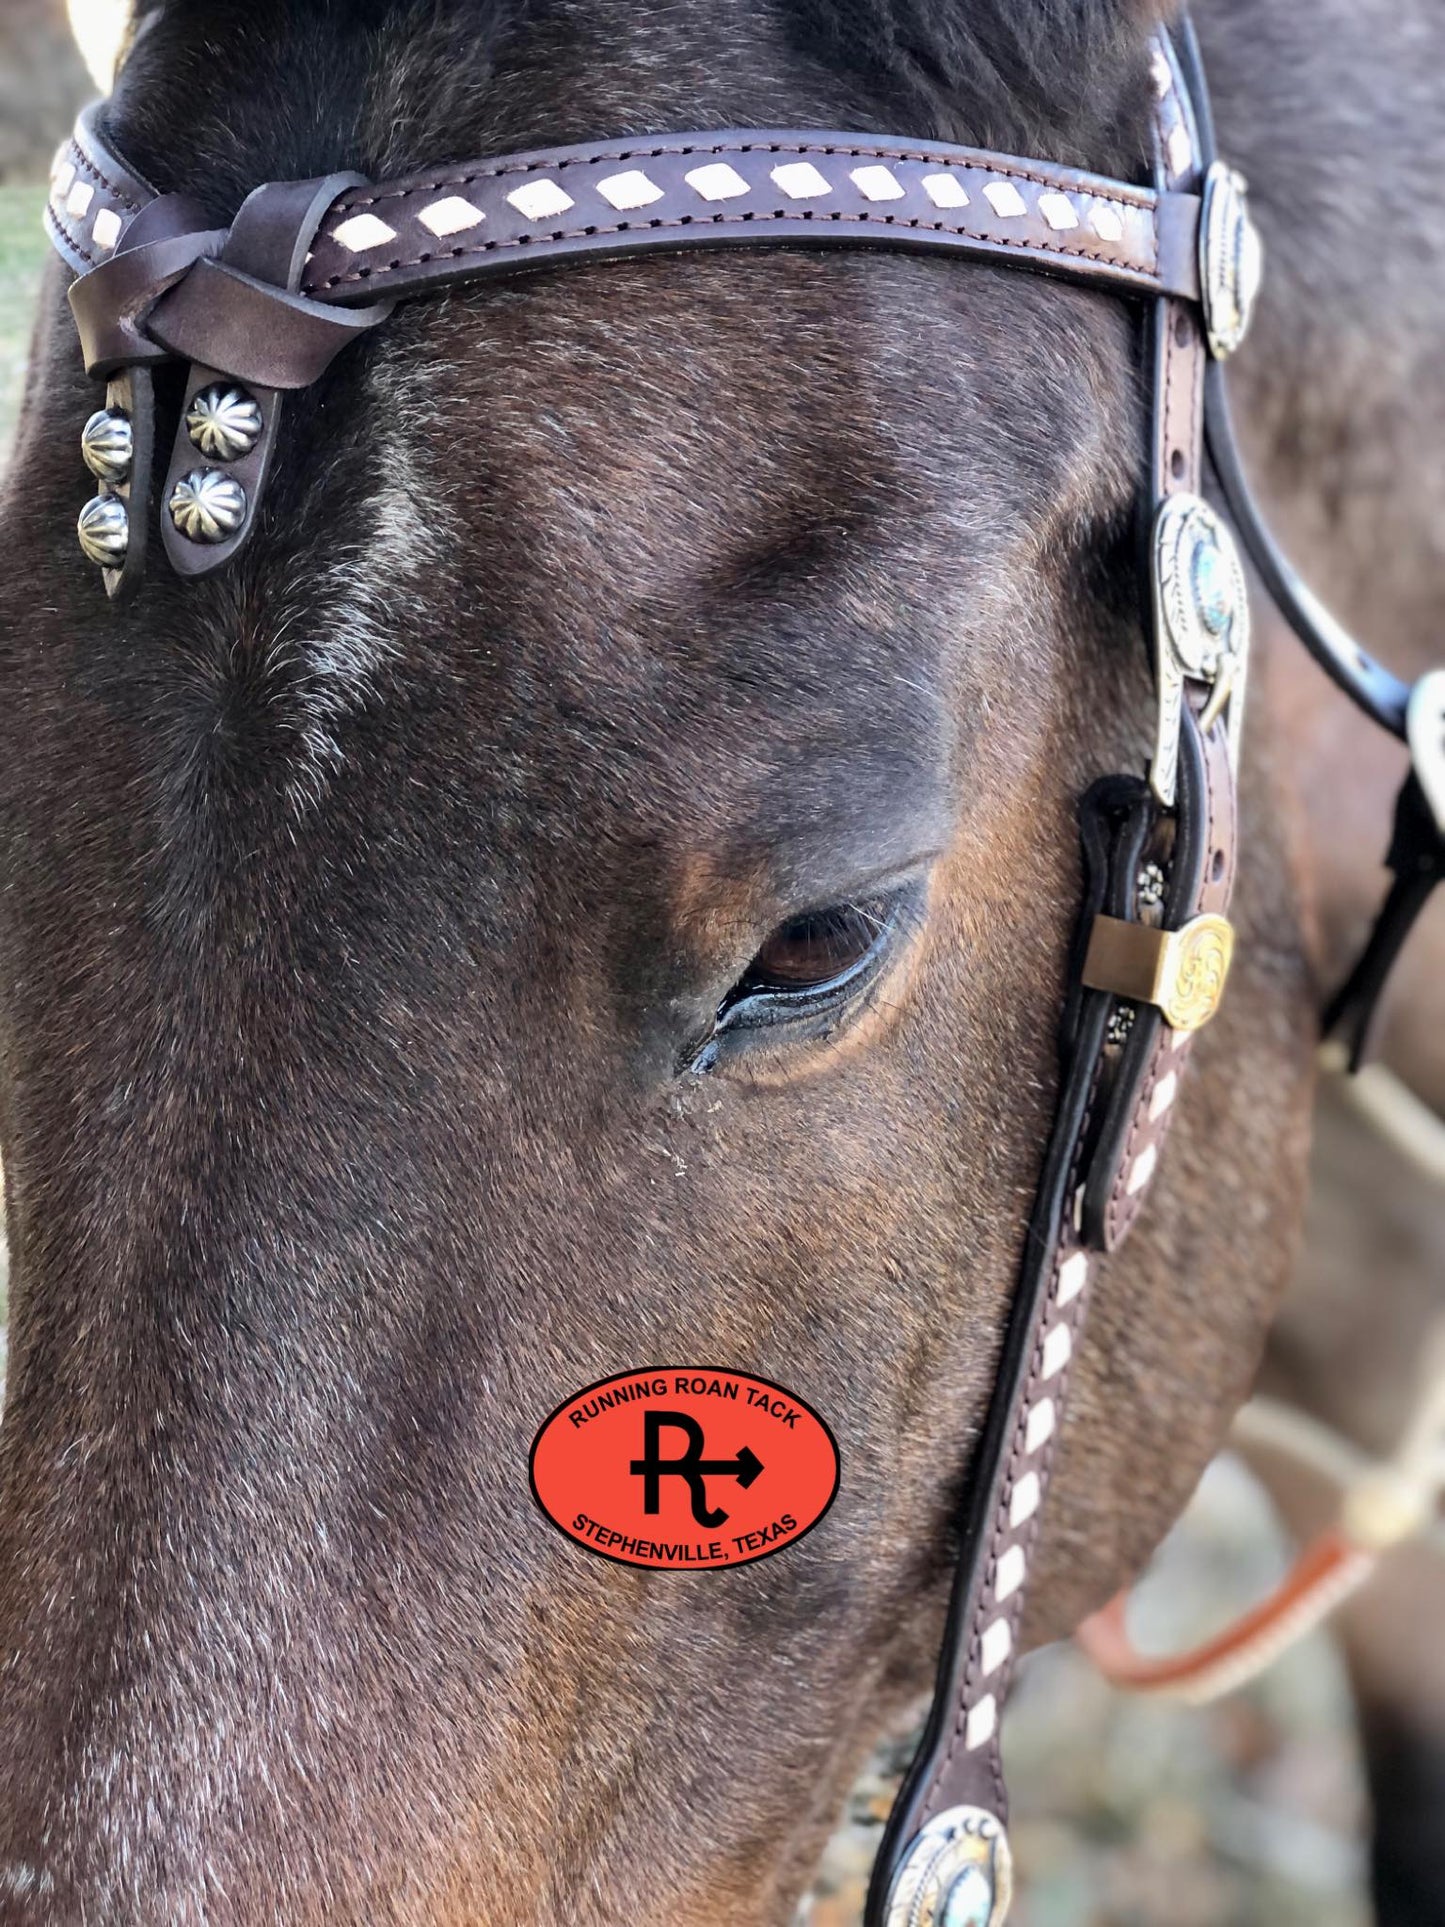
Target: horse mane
1064, 79
1061, 78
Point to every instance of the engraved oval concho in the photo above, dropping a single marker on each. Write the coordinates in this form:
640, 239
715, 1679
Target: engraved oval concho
958, 1873
1231, 260
1425, 727
1203, 597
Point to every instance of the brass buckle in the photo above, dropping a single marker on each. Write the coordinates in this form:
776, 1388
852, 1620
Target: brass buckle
1181, 972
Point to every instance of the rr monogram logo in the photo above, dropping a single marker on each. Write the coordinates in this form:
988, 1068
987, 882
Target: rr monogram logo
652, 1468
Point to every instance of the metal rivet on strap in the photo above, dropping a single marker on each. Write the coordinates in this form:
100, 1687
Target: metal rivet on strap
104, 530
207, 505
224, 421
107, 446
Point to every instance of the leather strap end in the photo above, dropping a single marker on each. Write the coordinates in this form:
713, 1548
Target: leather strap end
254, 332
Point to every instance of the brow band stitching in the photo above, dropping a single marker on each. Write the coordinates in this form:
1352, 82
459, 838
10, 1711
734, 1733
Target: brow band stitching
761, 220
82, 159
1143, 201
75, 246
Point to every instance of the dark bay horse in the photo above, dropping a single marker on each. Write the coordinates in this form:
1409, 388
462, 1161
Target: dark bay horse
613, 643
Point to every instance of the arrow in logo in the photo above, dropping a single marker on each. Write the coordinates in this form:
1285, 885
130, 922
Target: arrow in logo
652, 1468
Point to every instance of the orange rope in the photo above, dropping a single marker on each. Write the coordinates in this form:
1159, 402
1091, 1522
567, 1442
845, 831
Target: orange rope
1325, 1574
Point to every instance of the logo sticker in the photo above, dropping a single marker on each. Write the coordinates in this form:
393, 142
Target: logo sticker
684, 1467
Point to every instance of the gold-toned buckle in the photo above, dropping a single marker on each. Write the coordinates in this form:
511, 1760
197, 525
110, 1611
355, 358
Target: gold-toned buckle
1181, 972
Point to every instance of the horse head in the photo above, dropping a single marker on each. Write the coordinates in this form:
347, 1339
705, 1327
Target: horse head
590, 884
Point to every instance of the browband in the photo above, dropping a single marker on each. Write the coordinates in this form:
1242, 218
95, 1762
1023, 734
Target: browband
260, 307
265, 304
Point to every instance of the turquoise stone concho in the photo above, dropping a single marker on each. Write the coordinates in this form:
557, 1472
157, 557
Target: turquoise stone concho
958, 1873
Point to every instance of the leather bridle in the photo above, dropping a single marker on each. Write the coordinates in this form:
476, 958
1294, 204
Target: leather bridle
259, 309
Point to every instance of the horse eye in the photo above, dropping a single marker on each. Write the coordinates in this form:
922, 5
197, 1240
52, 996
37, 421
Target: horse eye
812, 972
816, 949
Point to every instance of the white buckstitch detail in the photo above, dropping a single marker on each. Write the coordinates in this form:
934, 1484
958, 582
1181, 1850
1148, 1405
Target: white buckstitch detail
454, 215
982, 1723
945, 190
539, 200
1025, 1501
1012, 1570
362, 231
1005, 200
1039, 1425
1073, 1276
629, 191
800, 181
1058, 211
877, 183
995, 1647
1141, 1170
1164, 1094
1058, 1349
717, 182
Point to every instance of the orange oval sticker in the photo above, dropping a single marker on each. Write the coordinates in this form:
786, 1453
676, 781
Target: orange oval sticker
684, 1467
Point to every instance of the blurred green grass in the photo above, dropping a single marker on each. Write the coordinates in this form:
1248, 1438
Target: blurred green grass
22, 258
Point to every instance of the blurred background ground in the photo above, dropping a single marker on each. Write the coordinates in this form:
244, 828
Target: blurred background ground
1127, 1813
1131, 1813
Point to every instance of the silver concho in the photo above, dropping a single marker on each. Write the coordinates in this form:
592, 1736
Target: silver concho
958, 1873
1425, 727
207, 506
1231, 260
224, 422
104, 530
1201, 616
106, 445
